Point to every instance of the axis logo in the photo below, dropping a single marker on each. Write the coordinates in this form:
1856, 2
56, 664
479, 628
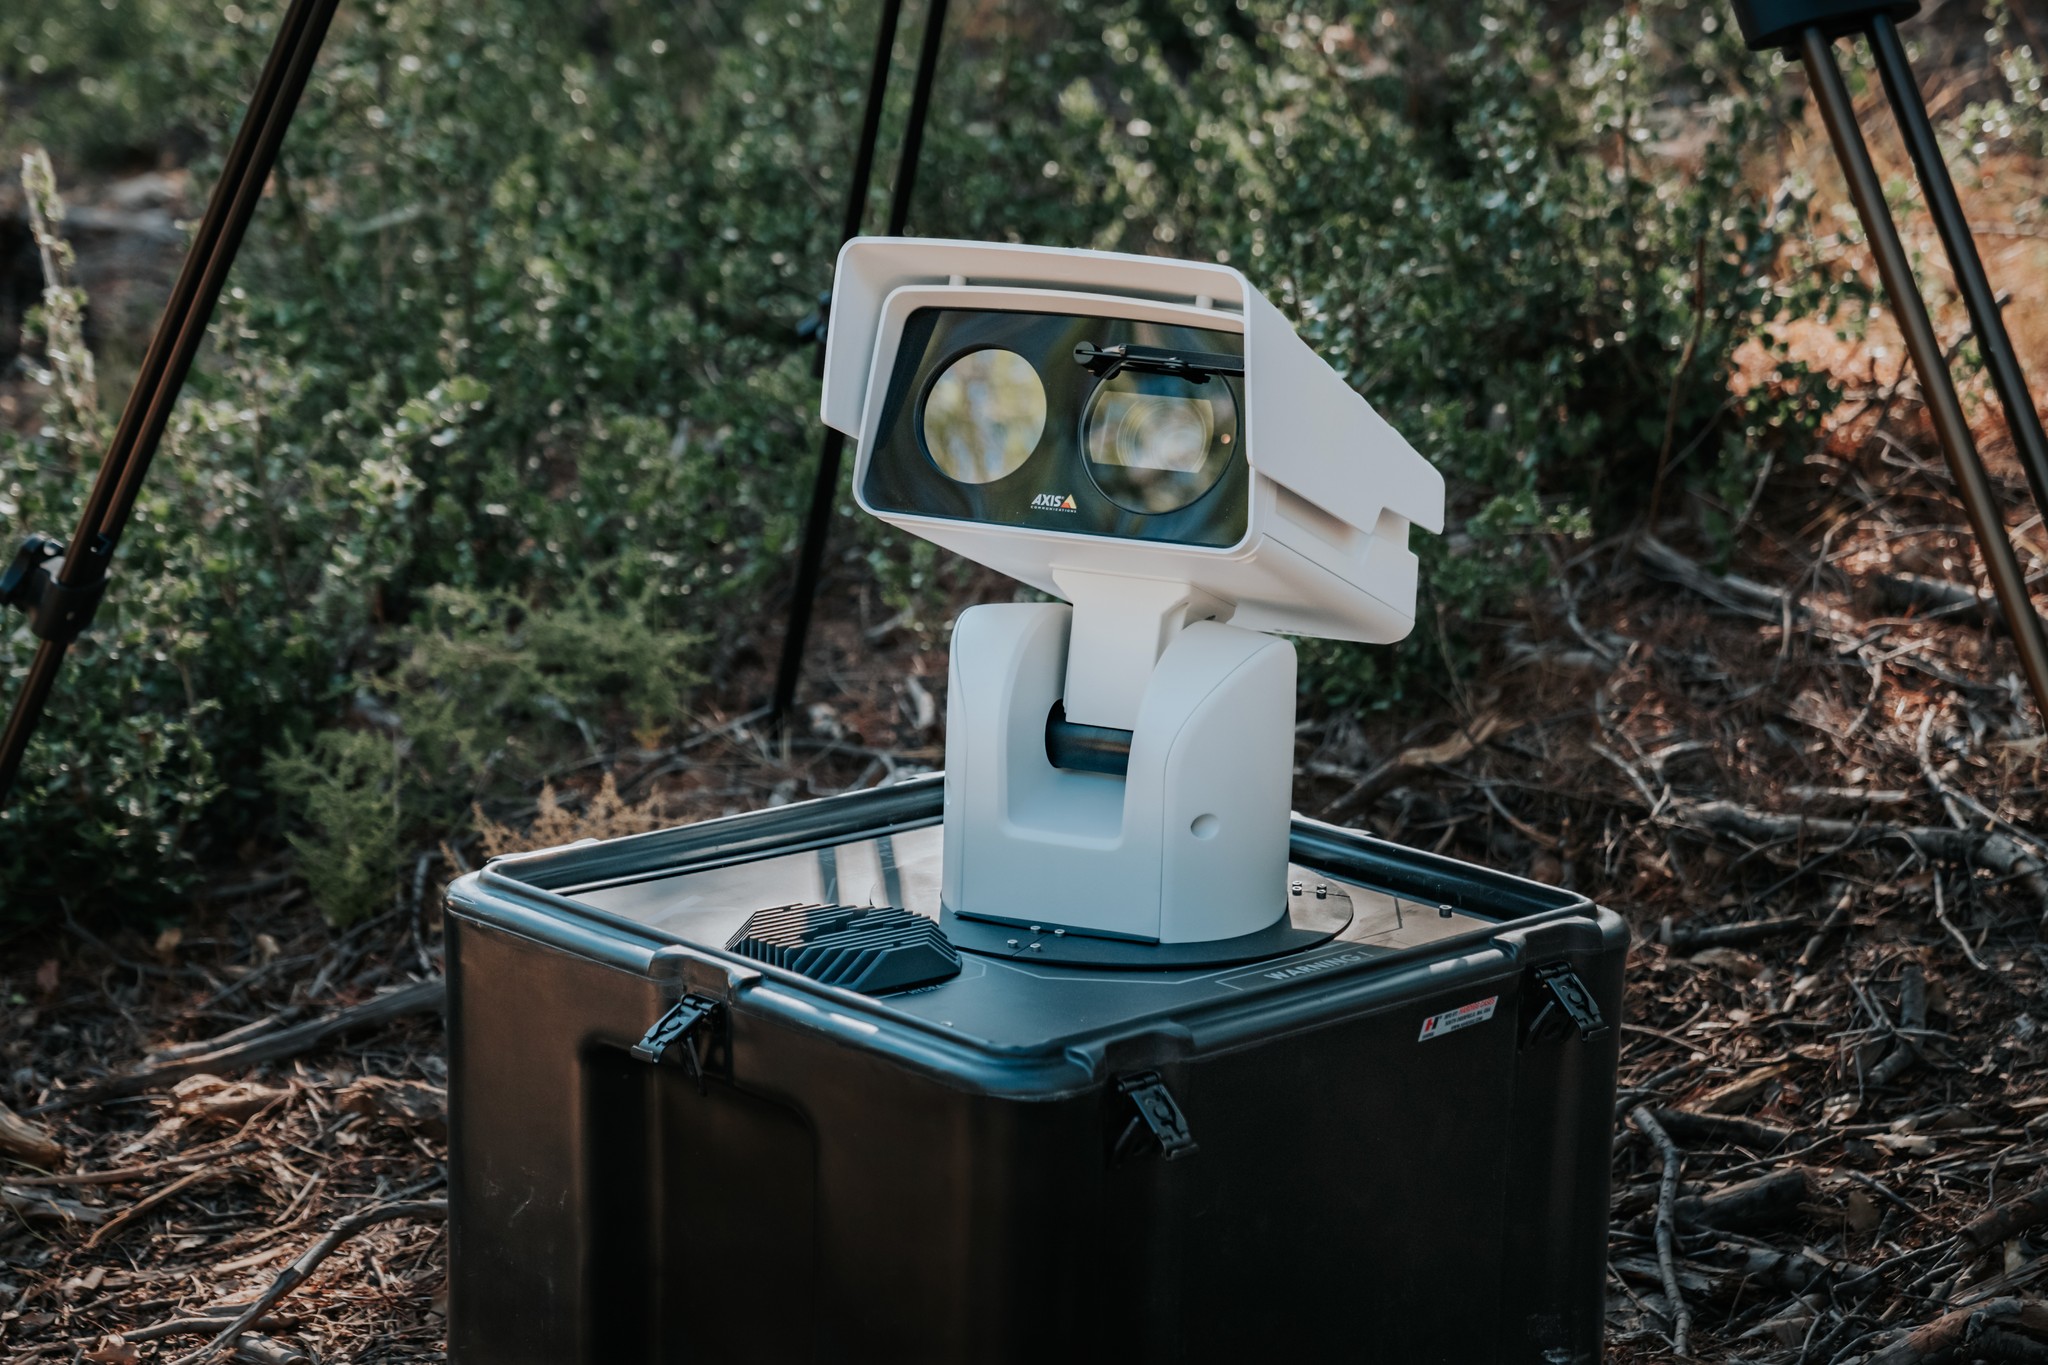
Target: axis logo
1054, 502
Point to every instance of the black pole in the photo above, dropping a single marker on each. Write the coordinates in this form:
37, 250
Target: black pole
870, 127
1985, 316
832, 449
825, 478
179, 333
810, 565
920, 106
1838, 112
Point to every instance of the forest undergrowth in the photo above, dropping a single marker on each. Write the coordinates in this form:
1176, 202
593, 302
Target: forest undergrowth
1766, 713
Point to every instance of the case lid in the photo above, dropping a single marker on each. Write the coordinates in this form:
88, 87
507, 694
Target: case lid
666, 903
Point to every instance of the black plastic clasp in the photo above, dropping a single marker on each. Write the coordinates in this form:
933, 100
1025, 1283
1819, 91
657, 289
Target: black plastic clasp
1566, 1004
680, 1026
30, 585
817, 322
1157, 1126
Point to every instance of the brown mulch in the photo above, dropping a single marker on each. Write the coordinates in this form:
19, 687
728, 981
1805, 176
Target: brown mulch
1797, 758
1825, 838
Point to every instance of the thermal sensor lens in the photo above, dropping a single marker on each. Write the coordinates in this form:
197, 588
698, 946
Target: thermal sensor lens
983, 415
1156, 442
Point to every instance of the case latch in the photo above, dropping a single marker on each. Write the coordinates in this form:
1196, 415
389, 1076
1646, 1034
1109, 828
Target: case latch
1566, 995
679, 1026
1158, 1125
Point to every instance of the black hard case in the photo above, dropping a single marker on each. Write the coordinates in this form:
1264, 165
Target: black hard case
858, 1179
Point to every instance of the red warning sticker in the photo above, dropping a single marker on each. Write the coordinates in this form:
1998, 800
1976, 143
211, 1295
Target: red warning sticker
1465, 1016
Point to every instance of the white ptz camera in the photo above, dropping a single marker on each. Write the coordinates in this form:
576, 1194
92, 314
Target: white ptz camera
1151, 442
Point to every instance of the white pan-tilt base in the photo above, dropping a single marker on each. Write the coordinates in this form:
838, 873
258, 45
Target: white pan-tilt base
1149, 441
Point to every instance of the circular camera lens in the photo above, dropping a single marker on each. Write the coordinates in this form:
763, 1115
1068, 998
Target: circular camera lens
1158, 442
983, 415
1153, 432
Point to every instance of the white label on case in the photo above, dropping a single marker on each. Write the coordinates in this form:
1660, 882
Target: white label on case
1465, 1016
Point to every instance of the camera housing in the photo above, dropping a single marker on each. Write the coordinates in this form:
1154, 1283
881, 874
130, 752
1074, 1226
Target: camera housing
1329, 488
1150, 441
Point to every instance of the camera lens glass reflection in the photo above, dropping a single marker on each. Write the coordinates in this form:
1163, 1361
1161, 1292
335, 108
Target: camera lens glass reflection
1152, 431
983, 415
996, 418
1157, 443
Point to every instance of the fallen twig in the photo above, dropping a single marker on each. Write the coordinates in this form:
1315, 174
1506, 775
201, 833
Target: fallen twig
1949, 926
2006, 1221
2000, 852
1684, 939
35, 1207
1783, 608
1810, 954
1667, 1231
263, 1351
1737, 594
255, 1028
419, 997
1997, 1285
1912, 1017
125, 1175
29, 1142
1724, 1128
1412, 762
1787, 1270
1931, 597
39, 1208
1741, 1092
1935, 1340
1767, 1199
205, 1325
1646, 1031
1846, 796
1885, 1192
432, 1210
150, 1201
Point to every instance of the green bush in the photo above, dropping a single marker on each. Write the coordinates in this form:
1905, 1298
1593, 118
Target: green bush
505, 412
349, 788
1535, 245
487, 692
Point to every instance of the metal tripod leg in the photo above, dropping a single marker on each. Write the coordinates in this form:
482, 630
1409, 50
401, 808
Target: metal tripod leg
825, 483
171, 350
1838, 112
1940, 192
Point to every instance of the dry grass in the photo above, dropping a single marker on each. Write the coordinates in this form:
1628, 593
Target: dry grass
605, 815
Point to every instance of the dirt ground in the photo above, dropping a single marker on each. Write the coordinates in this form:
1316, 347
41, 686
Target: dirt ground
1820, 834
1809, 779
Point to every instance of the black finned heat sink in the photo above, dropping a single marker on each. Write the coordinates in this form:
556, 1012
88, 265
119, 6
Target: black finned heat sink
866, 949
